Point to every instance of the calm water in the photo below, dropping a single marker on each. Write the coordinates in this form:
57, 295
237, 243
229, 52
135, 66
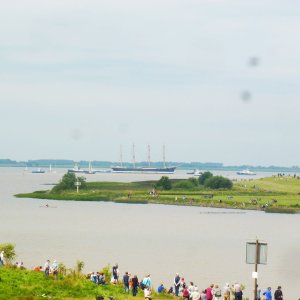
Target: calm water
203, 244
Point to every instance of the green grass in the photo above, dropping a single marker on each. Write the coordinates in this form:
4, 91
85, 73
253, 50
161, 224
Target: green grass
30, 285
274, 192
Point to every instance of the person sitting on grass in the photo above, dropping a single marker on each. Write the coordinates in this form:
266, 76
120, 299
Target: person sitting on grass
161, 288
101, 279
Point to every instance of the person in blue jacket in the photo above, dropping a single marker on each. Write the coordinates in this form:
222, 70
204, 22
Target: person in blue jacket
161, 288
268, 293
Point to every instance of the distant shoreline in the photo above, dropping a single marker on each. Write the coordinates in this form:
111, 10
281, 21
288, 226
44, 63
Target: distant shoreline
213, 166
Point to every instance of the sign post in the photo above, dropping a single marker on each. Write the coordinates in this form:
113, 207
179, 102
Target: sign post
256, 253
77, 183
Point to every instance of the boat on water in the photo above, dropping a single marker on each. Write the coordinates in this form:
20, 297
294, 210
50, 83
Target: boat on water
38, 171
245, 172
162, 170
143, 169
195, 172
90, 170
76, 169
103, 171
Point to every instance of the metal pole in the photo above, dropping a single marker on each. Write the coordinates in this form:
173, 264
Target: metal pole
256, 263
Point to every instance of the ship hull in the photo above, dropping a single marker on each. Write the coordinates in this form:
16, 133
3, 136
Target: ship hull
167, 170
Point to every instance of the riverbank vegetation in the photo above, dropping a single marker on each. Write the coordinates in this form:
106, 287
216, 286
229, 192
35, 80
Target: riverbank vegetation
273, 194
16, 283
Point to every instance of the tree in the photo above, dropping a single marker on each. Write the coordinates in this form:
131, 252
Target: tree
79, 266
164, 183
204, 176
9, 252
218, 182
193, 180
68, 182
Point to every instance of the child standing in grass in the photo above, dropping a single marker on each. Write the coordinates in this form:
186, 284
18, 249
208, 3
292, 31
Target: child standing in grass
147, 293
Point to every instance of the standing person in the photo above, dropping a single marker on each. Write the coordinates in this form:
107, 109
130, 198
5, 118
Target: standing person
195, 295
47, 268
185, 293
126, 283
216, 291
268, 293
2, 258
258, 292
54, 269
147, 281
191, 288
182, 286
238, 294
209, 294
226, 292
135, 283
177, 284
147, 293
203, 295
115, 273
278, 294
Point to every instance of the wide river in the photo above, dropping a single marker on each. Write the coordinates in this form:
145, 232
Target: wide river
204, 245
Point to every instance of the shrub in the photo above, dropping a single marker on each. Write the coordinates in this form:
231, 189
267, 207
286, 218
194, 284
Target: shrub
194, 181
9, 252
189, 184
218, 182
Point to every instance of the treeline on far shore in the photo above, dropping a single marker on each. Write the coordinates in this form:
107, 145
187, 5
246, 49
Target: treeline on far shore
66, 163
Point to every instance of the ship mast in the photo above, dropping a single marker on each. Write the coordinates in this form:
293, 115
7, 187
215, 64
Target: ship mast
133, 156
149, 155
164, 155
121, 156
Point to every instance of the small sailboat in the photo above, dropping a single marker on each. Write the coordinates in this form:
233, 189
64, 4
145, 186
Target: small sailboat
76, 169
90, 170
195, 172
38, 171
245, 172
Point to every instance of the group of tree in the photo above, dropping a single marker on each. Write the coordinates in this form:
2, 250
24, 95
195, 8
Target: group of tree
206, 180
68, 182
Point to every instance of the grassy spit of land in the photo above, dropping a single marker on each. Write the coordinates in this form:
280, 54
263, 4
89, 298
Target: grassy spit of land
16, 283
280, 194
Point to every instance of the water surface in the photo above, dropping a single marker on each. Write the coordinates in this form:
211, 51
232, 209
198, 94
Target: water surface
204, 245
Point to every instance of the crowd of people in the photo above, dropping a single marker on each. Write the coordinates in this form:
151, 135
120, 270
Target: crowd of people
179, 288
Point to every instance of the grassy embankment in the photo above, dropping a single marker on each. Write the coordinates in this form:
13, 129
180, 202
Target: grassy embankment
279, 193
24, 284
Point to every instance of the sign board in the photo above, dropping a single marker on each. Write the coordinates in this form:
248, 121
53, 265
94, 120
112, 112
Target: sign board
251, 253
254, 275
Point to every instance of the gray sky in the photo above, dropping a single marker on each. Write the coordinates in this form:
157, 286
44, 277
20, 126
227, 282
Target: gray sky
79, 78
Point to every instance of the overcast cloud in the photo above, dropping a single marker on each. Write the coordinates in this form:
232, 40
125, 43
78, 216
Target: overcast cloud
79, 78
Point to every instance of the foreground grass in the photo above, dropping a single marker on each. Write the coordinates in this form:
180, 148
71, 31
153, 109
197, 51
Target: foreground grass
274, 193
30, 285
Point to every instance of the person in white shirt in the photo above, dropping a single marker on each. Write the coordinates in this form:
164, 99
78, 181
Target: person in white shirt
195, 295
